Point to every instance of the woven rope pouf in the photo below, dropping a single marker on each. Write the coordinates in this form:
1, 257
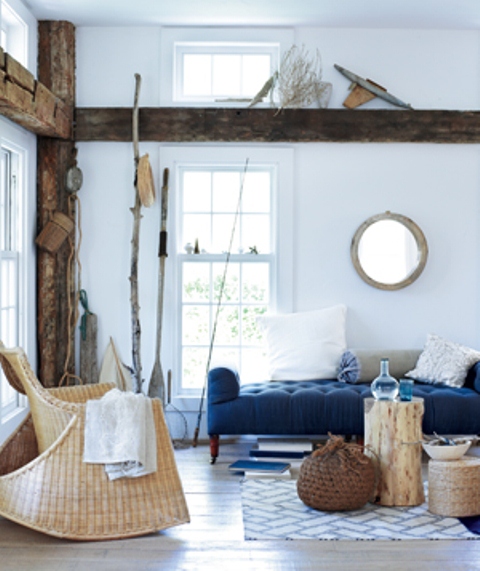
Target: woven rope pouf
454, 487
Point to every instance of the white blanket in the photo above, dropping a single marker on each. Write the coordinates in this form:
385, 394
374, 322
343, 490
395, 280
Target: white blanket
120, 433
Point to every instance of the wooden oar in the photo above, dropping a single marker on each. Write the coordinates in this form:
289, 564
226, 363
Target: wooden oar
156, 387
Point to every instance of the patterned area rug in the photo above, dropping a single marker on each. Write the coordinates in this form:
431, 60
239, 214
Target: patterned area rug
273, 510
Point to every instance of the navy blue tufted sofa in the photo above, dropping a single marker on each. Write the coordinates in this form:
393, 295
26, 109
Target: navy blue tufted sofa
319, 407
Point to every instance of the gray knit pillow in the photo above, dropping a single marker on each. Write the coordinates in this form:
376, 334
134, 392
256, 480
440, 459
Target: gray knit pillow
443, 362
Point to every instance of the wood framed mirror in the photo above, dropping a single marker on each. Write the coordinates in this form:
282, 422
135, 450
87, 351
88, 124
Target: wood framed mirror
389, 251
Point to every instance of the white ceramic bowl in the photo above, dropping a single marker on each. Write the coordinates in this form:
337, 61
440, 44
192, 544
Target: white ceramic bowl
446, 452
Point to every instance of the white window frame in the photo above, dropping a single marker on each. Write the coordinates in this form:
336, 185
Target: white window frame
23, 144
20, 27
173, 157
219, 48
220, 37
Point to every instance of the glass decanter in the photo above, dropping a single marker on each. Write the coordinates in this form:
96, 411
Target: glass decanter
384, 387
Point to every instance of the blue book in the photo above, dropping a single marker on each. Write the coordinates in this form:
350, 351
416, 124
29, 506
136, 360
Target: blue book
278, 454
260, 465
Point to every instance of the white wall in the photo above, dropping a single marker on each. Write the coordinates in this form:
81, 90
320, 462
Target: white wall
337, 186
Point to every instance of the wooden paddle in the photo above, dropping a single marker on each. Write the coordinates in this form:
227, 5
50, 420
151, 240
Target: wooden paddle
156, 387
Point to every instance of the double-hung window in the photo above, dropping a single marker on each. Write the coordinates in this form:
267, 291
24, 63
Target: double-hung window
230, 263
9, 267
17, 259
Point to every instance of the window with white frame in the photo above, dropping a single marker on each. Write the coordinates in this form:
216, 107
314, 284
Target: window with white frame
17, 259
14, 33
9, 267
219, 66
222, 71
209, 201
229, 204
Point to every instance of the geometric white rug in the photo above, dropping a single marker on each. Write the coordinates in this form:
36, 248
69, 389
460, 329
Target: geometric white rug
272, 510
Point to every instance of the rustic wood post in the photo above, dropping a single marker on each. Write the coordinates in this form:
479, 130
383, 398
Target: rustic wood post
56, 70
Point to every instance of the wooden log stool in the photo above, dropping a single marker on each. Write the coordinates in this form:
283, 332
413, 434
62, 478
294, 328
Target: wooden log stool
393, 434
454, 487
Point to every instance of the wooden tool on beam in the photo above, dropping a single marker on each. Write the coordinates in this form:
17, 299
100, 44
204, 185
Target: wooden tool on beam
363, 90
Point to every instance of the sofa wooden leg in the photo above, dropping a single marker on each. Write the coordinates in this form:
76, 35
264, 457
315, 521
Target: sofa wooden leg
214, 446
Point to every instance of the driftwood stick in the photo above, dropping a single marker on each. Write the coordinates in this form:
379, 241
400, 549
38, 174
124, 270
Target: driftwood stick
136, 211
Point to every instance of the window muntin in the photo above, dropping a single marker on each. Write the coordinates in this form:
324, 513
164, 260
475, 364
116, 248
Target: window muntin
218, 71
209, 198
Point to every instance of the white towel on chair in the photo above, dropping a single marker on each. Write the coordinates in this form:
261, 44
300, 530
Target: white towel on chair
120, 433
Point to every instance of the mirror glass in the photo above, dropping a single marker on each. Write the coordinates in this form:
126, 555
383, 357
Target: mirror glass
389, 251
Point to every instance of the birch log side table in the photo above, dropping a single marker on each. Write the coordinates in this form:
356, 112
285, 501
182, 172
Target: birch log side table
393, 433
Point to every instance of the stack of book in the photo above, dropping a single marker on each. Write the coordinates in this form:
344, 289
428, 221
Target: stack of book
255, 469
282, 449
274, 458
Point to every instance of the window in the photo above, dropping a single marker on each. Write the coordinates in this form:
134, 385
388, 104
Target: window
210, 66
14, 34
222, 204
209, 200
222, 71
9, 268
18, 33
17, 258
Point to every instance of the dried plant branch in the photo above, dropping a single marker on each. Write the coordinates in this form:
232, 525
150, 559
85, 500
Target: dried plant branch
299, 80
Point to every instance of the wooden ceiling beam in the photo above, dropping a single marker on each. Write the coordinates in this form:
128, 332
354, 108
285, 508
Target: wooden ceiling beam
30, 104
187, 124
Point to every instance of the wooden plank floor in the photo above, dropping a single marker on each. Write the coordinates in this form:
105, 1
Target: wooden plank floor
214, 538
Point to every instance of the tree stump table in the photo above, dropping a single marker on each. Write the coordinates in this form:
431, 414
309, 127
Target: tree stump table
393, 434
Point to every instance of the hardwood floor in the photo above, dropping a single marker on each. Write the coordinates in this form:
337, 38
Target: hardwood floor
214, 538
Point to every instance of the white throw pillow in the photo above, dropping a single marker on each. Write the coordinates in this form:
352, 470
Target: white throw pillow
303, 346
444, 362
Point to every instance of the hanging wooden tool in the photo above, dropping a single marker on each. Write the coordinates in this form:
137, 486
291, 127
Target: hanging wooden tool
88, 342
157, 381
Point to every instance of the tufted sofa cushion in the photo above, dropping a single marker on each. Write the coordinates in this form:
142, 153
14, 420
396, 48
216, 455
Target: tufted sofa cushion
322, 406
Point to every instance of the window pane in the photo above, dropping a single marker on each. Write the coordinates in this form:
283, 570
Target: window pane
197, 74
227, 332
196, 325
226, 191
255, 284
222, 228
256, 233
194, 363
256, 192
231, 291
251, 334
196, 282
226, 75
255, 72
197, 227
196, 191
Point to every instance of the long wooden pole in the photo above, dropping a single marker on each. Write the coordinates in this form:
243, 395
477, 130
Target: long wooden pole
156, 388
136, 211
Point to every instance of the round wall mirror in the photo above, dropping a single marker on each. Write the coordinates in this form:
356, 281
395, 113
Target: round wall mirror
389, 251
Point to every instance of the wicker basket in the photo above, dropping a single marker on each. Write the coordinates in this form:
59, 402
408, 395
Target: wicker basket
336, 477
55, 232
454, 487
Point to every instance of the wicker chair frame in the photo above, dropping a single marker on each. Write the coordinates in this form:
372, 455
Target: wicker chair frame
46, 486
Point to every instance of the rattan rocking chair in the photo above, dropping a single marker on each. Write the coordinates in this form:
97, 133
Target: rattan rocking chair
46, 486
